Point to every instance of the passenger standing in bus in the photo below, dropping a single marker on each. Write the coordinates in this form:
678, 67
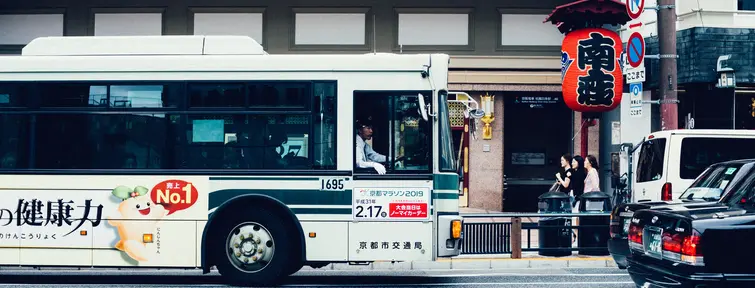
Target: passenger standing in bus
592, 181
365, 156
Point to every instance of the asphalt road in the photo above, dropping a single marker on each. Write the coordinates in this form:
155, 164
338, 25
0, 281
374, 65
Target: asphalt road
562, 278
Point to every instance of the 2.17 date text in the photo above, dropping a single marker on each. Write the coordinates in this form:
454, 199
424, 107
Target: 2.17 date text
370, 211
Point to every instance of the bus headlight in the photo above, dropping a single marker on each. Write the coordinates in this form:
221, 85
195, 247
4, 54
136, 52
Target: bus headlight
456, 229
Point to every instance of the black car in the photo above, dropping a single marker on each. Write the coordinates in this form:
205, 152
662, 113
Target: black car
696, 244
709, 187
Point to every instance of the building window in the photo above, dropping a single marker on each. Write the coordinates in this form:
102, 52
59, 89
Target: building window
323, 28
528, 30
424, 29
222, 23
128, 24
20, 29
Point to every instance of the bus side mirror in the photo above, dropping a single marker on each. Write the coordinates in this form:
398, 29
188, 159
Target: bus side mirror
422, 108
476, 113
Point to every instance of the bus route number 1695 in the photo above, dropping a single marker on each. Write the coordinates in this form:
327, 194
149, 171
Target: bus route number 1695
331, 184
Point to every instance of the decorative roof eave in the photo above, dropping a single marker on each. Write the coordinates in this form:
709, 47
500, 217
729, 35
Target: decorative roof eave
572, 16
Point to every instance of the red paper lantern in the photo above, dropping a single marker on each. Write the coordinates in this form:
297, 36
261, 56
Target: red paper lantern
591, 76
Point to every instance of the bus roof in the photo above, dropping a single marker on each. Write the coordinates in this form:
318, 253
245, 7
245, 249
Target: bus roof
178, 53
143, 45
702, 132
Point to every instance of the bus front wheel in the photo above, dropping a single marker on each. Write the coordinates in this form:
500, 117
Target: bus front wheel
252, 248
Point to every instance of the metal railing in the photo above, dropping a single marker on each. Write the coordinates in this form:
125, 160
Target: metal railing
505, 237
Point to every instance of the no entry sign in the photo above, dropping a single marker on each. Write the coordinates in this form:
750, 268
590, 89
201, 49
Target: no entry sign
635, 8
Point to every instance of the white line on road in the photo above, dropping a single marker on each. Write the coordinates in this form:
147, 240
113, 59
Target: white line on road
459, 284
522, 274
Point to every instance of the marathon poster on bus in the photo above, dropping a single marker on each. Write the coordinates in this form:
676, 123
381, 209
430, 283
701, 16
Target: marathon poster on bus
132, 222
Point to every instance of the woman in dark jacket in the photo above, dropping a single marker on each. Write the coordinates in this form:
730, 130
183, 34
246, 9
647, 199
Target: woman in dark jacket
562, 177
577, 179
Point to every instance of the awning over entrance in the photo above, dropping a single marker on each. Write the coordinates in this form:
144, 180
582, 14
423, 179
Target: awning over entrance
504, 81
499, 73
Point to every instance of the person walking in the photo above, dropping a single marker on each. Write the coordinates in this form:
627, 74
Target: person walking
592, 181
578, 175
563, 176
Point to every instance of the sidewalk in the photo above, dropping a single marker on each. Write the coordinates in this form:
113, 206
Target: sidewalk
489, 262
485, 262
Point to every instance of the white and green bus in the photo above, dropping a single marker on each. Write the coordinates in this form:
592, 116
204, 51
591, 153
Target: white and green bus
205, 151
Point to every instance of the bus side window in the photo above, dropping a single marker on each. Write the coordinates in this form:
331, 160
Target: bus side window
397, 131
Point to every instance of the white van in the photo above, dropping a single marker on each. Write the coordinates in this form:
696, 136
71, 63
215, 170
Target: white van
669, 161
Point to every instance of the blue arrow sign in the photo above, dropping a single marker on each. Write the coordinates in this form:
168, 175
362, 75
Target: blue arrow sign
635, 88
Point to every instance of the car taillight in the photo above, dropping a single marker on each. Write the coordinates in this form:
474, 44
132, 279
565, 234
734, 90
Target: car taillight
684, 248
666, 192
672, 242
692, 252
635, 234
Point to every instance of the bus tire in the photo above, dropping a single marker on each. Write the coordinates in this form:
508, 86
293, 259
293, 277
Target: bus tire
253, 247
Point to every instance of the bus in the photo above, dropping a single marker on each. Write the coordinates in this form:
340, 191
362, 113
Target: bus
206, 151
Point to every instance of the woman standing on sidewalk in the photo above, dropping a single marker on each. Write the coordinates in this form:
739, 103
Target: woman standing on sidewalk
578, 175
562, 177
592, 181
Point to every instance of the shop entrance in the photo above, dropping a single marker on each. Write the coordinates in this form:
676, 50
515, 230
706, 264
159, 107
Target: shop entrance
537, 130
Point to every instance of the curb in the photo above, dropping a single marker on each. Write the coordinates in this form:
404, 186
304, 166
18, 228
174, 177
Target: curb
479, 264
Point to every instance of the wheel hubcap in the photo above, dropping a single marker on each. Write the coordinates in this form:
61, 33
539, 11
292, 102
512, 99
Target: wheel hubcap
250, 247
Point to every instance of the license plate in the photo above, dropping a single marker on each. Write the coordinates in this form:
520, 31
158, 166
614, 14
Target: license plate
653, 242
626, 225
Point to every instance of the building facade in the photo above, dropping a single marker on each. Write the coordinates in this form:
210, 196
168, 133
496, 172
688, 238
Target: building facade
501, 49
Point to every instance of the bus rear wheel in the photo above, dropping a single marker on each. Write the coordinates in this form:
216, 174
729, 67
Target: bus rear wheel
252, 248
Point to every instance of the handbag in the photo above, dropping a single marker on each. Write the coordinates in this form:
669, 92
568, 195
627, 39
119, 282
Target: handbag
554, 187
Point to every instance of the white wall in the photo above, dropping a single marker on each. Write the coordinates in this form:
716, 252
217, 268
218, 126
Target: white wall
693, 13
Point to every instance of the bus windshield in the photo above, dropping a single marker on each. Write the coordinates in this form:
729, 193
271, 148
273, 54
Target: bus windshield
447, 157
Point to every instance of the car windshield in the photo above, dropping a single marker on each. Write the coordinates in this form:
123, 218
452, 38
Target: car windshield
710, 185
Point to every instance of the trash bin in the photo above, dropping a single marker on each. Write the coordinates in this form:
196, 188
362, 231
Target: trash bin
594, 231
554, 237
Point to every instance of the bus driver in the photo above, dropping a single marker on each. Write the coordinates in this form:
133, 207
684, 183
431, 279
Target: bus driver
365, 156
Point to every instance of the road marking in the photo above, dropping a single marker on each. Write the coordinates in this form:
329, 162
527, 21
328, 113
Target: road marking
521, 259
523, 274
461, 284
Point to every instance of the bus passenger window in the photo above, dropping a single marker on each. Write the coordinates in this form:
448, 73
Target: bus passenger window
13, 141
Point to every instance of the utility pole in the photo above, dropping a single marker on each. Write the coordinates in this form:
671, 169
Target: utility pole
667, 47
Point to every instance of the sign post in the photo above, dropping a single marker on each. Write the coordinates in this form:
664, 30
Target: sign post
635, 53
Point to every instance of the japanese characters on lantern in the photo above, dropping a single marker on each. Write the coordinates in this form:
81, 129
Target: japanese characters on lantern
591, 71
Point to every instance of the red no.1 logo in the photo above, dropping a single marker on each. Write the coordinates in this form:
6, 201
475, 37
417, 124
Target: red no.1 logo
174, 195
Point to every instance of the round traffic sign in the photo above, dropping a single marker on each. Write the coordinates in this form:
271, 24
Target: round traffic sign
635, 8
635, 49
636, 90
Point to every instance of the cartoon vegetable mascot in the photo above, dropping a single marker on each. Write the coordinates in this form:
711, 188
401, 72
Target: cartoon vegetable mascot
135, 208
